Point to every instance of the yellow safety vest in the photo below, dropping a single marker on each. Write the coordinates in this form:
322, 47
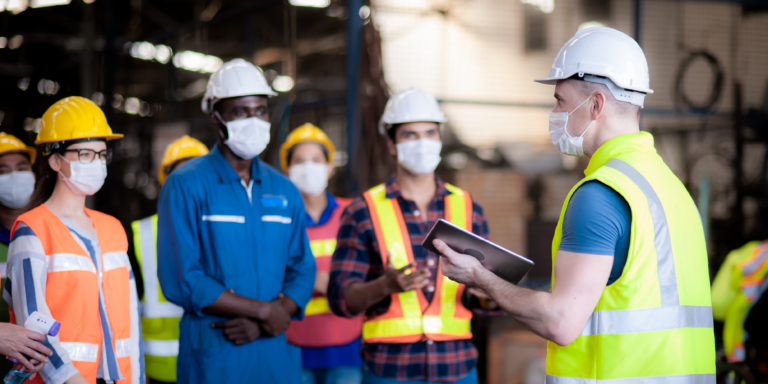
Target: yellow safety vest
410, 318
654, 324
739, 284
159, 318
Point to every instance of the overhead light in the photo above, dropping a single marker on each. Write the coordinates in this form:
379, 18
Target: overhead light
163, 53
98, 98
365, 11
143, 50
15, 41
590, 24
16, 6
197, 62
132, 105
310, 3
3, 41
47, 87
23, 83
88, 1
48, 3
282, 83
546, 6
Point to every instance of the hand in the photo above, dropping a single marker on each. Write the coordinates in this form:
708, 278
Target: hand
458, 267
321, 282
76, 379
275, 319
21, 344
398, 281
239, 331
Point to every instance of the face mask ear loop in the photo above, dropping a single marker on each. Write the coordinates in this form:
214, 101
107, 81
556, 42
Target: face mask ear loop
574, 110
224, 123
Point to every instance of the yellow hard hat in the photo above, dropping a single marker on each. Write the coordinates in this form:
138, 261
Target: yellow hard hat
183, 148
73, 118
303, 134
11, 144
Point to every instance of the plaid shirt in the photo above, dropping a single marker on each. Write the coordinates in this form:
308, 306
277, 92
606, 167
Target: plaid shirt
357, 260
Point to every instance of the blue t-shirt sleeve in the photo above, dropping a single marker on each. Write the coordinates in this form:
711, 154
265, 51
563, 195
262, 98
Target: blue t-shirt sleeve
596, 221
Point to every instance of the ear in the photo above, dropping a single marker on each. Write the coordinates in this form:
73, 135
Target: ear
58, 165
598, 105
392, 147
330, 171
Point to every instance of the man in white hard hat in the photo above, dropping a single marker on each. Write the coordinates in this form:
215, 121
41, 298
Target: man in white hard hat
232, 246
630, 299
417, 325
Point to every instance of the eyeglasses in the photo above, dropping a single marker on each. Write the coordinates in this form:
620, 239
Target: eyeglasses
86, 156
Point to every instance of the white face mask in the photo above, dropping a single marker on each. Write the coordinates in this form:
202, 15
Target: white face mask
309, 177
419, 156
16, 188
558, 132
85, 179
247, 137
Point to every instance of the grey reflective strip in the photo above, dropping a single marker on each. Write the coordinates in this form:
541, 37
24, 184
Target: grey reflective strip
149, 260
679, 379
647, 320
662, 240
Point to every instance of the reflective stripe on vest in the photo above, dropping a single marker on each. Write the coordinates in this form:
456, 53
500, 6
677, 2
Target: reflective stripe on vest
93, 310
707, 378
320, 248
410, 318
752, 285
649, 326
320, 327
159, 318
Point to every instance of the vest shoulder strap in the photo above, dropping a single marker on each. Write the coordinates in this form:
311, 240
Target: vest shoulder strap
49, 229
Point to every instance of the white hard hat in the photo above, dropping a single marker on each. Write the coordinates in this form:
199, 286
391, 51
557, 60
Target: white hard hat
410, 106
235, 78
601, 54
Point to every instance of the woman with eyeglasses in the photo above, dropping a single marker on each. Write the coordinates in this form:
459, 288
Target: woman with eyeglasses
70, 262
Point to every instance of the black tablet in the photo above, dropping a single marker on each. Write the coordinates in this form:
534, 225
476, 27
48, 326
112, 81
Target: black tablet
504, 263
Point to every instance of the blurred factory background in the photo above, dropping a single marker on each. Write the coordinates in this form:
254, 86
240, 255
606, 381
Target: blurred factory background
334, 64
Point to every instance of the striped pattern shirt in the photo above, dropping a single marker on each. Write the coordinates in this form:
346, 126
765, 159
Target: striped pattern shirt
357, 259
24, 291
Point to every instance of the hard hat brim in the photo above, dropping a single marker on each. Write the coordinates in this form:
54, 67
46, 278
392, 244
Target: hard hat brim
554, 80
107, 137
31, 152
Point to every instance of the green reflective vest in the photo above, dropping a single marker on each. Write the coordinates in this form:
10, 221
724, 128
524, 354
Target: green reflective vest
159, 318
654, 324
739, 283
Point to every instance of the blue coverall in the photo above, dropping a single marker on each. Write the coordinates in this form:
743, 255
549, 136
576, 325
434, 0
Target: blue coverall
213, 236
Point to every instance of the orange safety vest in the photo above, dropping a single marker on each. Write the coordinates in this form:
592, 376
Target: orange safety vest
410, 318
320, 327
72, 289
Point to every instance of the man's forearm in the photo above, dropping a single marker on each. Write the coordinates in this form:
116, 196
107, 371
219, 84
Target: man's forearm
526, 306
361, 296
232, 305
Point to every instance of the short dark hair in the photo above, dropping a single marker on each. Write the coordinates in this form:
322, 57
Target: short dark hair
392, 131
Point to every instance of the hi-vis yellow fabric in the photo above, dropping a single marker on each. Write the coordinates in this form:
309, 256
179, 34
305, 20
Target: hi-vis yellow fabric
654, 324
739, 283
410, 318
159, 317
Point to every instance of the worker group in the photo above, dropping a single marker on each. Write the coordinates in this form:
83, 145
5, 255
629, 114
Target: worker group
252, 274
